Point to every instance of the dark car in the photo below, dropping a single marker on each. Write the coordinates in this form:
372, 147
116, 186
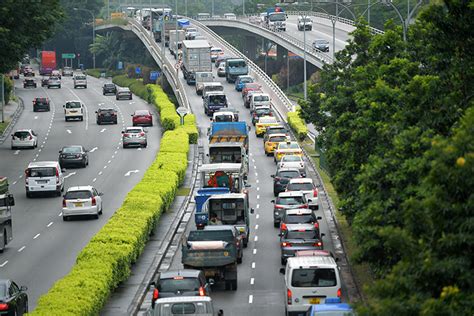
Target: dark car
44, 81
282, 178
29, 82
73, 155
321, 44
287, 201
109, 88
142, 118
106, 115
41, 104
259, 112
298, 216
186, 282
299, 237
13, 298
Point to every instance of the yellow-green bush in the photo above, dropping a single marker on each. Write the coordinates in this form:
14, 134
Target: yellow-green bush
297, 124
169, 139
173, 161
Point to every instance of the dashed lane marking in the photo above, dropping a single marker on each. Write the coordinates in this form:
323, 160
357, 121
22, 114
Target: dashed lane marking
49, 225
258, 216
254, 251
256, 238
21, 249
250, 299
252, 281
256, 227
94, 180
3, 264
68, 131
253, 265
37, 235
93, 149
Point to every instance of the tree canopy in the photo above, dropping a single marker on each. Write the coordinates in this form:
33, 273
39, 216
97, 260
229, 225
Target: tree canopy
25, 26
382, 110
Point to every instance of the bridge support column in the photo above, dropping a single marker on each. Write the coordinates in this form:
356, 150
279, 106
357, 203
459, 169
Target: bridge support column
282, 52
250, 47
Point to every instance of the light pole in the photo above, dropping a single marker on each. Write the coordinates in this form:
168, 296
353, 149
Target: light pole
243, 7
212, 10
93, 31
405, 22
305, 85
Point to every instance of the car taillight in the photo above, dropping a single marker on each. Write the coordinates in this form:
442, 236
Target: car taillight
202, 292
318, 244
289, 296
94, 202
277, 178
64, 202
315, 193
316, 225
142, 134
339, 293
285, 244
283, 226
4, 306
278, 207
126, 135
254, 114
57, 173
155, 294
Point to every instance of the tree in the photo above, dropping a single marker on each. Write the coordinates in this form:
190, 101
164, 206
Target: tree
25, 26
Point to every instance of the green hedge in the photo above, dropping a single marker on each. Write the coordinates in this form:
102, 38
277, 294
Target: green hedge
136, 86
94, 72
298, 125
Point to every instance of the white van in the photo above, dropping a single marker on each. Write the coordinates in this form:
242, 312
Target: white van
259, 99
80, 80
44, 176
230, 16
184, 305
73, 110
310, 280
211, 87
201, 78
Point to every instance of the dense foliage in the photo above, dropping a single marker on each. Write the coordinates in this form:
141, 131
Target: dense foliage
25, 26
394, 120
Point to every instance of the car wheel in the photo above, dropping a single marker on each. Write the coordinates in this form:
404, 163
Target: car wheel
13, 147
234, 285
144, 146
124, 146
228, 286
59, 87
276, 224
28, 194
96, 216
58, 193
283, 261
239, 260
101, 209
84, 164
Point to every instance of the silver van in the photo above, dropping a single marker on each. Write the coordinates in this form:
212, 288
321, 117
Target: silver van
44, 176
201, 79
80, 80
211, 87
184, 305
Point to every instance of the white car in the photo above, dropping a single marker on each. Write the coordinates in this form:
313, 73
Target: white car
293, 161
221, 69
24, 138
74, 110
306, 186
82, 200
42, 177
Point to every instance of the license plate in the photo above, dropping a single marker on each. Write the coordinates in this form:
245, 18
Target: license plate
41, 181
314, 300
242, 229
78, 204
209, 273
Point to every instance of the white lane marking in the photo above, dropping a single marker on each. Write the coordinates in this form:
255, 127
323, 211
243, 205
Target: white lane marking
113, 156
130, 172
46, 138
255, 167
16, 152
250, 299
251, 154
256, 227
103, 130
258, 188
256, 238
109, 161
36, 117
258, 206
100, 173
255, 251
257, 181
41, 146
252, 281
139, 148
256, 174
49, 225
253, 160
14, 182
253, 265
60, 214
105, 167
258, 216
94, 180
68, 131
21, 249
20, 177
85, 108
3, 264
115, 152
37, 235
258, 196
93, 149
70, 174
118, 148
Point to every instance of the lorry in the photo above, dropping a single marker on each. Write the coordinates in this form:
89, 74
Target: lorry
176, 46
47, 62
164, 26
275, 19
201, 218
196, 58
201, 78
223, 132
235, 67
6, 203
214, 252
223, 175
214, 101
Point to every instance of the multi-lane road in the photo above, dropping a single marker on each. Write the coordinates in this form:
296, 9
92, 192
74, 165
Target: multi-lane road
44, 248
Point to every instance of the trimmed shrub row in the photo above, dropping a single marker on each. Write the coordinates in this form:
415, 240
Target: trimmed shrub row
298, 125
107, 258
136, 86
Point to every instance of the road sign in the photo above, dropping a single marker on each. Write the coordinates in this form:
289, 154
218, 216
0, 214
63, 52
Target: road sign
120, 65
138, 70
154, 75
182, 111
68, 55
177, 65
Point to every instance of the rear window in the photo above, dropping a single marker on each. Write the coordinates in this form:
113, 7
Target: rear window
183, 309
219, 99
109, 85
299, 219
306, 234
106, 111
42, 172
73, 105
80, 77
293, 200
277, 139
289, 174
134, 130
78, 195
72, 150
263, 111
317, 277
142, 113
289, 146
246, 80
214, 88
267, 120
261, 98
211, 235
291, 158
299, 187
22, 134
172, 285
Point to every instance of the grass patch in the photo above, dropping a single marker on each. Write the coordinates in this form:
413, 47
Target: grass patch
362, 272
183, 191
3, 126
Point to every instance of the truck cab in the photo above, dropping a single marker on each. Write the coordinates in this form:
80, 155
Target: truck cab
276, 19
214, 101
235, 67
223, 175
259, 99
6, 203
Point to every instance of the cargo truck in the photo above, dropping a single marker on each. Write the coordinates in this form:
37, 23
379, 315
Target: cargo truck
275, 19
235, 67
176, 46
196, 58
214, 252
47, 62
6, 203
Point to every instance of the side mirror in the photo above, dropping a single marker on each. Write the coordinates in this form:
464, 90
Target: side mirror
11, 200
273, 176
272, 201
322, 235
123, 132
282, 271
23, 288
319, 218
252, 211
248, 185
64, 105
60, 151
12, 135
101, 194
95, 111
131, 114
220, 313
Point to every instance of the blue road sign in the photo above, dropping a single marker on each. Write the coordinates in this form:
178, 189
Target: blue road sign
154, 75
138, 70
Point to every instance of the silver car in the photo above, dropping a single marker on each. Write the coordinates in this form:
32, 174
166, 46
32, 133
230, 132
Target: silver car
134, 136
221, 69
54, 82
321, 44
123, 93
82, 200
306, 186
293, 161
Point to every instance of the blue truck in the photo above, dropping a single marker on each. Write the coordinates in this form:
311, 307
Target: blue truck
201, 218
235, 67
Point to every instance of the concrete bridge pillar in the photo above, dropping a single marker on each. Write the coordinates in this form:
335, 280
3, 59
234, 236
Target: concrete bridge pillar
282, 52
250, 47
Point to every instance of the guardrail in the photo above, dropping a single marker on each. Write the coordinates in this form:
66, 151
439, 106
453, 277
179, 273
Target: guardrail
275, 92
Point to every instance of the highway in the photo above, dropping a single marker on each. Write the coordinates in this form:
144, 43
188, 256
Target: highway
44, 248
260, 286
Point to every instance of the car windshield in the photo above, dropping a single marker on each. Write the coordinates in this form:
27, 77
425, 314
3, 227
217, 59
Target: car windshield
22, 134
291, 158
178, 284
263, 111
267, 120
321, 42
302, 234
261, 98
183, 309
291, 200
299, 219
277, 139
72, 150
314, 277
289, 174
278, 17
300, 187
217, 99
288, 146
72, 195
252, 85
73, 105
42, 172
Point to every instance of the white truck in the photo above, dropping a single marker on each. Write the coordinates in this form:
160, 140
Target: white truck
6, 203
176, 42
196, 57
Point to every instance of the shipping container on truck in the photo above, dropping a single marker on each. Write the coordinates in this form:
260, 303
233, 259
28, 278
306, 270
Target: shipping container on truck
196, 58
48, 62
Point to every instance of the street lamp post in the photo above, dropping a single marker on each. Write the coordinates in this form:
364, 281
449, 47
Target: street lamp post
305, 85
93, 31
